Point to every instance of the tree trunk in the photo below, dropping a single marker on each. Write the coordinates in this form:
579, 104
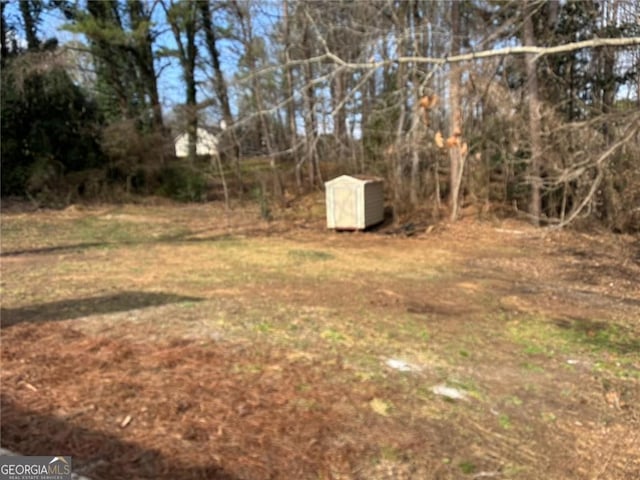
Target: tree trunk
190, 80
340, 117
309, 100
266, 134
534, 121
608, 73
183, 22
455, 120
219, 83
30, 26
415, 139
4, 51
291, 107
144, 60
400, 147
417, 129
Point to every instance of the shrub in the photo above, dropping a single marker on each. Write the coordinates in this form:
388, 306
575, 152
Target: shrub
182, 183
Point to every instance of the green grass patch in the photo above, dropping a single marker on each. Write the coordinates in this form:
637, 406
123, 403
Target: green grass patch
333, 335
390, 453
532, 367
514, 400
504, 421
90, 231
467, 467
542, 336
264, 327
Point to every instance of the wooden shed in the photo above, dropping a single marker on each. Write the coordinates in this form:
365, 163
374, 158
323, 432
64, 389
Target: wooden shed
354, 202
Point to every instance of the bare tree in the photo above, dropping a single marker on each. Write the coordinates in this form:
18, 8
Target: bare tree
309, 97
339, 79
455, 116
534, 117
288, 89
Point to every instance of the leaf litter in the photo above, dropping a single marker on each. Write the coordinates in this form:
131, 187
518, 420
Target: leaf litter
158, 397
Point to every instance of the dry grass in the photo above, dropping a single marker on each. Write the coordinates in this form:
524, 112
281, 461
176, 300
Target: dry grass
183, 342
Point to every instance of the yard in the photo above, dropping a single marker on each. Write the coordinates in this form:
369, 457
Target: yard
182, 342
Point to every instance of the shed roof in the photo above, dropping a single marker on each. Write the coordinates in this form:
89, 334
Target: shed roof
359, 178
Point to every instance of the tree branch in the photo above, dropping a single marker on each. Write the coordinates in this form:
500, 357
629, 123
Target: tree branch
577, 170
596, 182
520, 50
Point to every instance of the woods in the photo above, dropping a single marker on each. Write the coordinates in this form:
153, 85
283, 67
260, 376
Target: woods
517, 107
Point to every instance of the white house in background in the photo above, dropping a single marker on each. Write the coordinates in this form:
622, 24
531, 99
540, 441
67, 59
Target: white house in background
206, 143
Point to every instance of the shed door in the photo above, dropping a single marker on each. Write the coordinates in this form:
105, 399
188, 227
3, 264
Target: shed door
346, 206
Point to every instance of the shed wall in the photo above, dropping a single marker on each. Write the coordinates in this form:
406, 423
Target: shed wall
373, 204
354, 204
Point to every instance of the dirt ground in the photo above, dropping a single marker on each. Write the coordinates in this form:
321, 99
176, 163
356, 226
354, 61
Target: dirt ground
182, 341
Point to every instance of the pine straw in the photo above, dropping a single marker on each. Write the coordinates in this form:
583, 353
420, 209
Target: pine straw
248, 411
196, 410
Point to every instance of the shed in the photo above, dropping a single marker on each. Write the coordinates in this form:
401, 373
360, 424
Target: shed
206, 143
354, 202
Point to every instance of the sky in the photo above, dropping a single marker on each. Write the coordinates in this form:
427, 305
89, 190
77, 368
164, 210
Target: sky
170, 84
